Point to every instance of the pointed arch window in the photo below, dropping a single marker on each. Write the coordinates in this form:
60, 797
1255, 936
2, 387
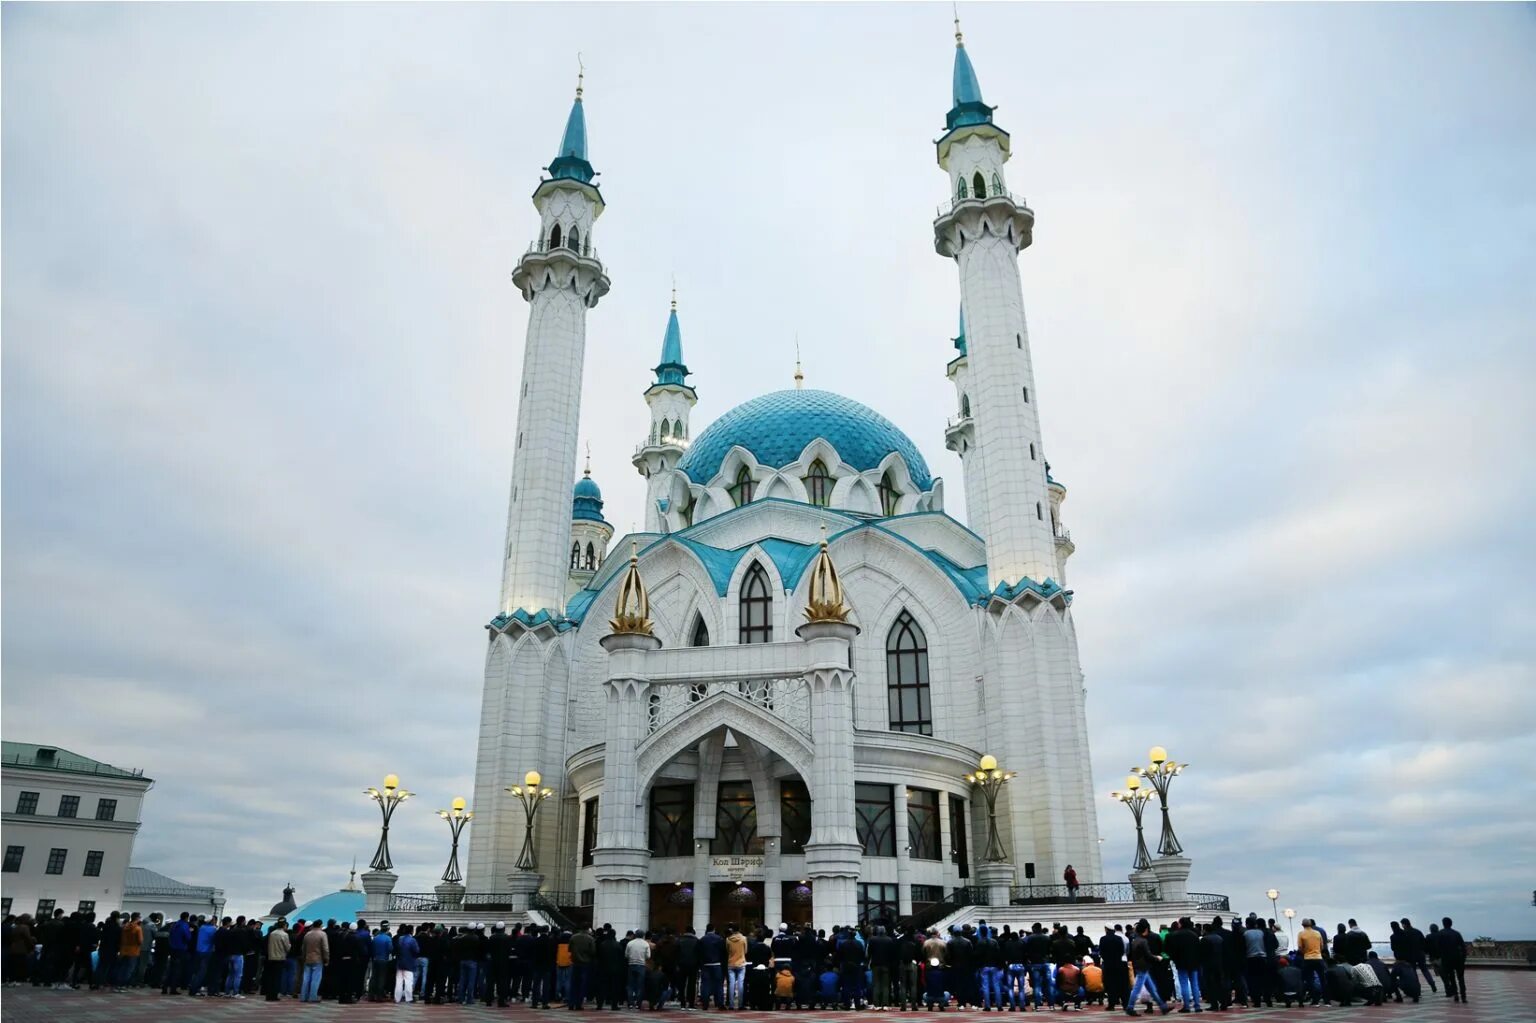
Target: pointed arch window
906, 677
700, 635
575, 555
554, 237
961, 193
688, 511
997, 184
666, 430
742, 490
756, 607
965, 405
889, 495
979, 186
591, 558
818, 484
575, 240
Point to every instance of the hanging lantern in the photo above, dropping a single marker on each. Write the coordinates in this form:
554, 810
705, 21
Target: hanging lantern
800, 895
743, 896
681, 896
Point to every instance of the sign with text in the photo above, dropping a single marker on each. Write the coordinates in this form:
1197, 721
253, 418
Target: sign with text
736, 868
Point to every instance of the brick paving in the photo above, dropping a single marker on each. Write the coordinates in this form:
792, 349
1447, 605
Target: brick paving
1500, 996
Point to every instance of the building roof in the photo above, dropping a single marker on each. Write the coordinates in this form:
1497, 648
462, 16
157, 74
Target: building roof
52, 758
342, 905
968, 105
672, 369
571, 161
587, 500
776, 428
142, 881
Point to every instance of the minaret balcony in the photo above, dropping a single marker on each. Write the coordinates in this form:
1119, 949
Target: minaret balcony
562, 263
969, 217
960, 434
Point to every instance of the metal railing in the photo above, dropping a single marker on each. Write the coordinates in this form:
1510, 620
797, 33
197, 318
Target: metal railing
429, 902
72, 765
1064, 534
563, 909
585, 252
956, 900
1211, 901
949, 207
1051, 894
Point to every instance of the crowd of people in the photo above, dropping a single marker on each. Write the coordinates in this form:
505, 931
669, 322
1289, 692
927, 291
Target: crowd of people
1197, 967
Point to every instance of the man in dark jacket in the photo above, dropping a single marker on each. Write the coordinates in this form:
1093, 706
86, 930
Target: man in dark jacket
1183, 946
583, 951
1453, 961
711, 969
1213, 969
882, 967
1112, 959
541, 954
1414, 949
807, 960
961, 974
1038, 947
611, 968
499, 957
1143, 959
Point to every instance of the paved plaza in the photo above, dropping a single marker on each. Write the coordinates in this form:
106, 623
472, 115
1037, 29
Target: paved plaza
1502, 996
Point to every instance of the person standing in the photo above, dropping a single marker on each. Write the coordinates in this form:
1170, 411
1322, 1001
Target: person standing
110, 937
736, 965
316, 955
935, 959
1183, 947
1413, 951
1453, 961
407, 952
179, 952
1258, 968
1112, 955
882, 964
277, 957
1142, 961
1038, 947
1213, 968
130, 946
1070, 877
1311, 943
583, 951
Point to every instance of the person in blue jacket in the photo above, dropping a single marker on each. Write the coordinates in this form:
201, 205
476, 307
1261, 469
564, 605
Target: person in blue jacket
180, 945
383, 953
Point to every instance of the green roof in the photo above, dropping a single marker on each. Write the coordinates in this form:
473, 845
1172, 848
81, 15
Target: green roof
52, 758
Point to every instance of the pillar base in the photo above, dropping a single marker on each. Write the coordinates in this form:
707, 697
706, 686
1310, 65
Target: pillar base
378, 886
1144, 885
997, 880
623, 896
522, 884
1172, 877
833, 870
450, 895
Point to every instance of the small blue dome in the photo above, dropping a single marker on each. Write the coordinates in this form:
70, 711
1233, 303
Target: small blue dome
776, 428
587, 500
342, 905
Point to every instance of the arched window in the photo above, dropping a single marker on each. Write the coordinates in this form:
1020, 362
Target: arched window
688, 511
818, 484
575, 555
961, 193
591, 558
1038, 513
889, 495
741, 490
906, 677
700, 635
965, 405
1031, 451
1026, 396
554, 237
666, 429
756, 607
997, 184
979, 186
575, 239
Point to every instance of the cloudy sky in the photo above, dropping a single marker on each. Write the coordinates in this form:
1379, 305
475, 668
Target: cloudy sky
261, 357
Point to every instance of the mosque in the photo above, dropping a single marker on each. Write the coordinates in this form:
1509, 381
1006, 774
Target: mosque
766, 706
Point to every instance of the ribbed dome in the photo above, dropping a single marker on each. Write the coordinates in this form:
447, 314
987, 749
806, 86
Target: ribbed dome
776, 428
586, 488
587, 500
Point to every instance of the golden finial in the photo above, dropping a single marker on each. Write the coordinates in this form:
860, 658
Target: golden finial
799, 376
632, 613
674, 293
581, 70
825, 602
588, 470
959, 39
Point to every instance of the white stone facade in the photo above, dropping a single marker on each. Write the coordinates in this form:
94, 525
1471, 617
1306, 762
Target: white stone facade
960, 641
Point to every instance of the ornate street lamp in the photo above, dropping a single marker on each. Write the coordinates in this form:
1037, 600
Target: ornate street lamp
1136, 798
988, 778
1161, 773
390, 798
1273, 895
1290, 923
530, 795
456, 817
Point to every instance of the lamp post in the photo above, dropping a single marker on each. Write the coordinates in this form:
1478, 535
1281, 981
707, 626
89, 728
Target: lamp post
530, 795
1161, 773
388, 799
1273, 895
1290, 923
1136, 798
988, 778
457, 817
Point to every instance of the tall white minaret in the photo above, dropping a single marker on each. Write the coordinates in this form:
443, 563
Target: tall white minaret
983, 228
561, 277
671, 399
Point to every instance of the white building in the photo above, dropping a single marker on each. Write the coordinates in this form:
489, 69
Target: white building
739, 763
149, 891
70, 823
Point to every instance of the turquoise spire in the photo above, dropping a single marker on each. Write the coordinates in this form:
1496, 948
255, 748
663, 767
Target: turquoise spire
968, 108
571, 161
960, 339
671, 369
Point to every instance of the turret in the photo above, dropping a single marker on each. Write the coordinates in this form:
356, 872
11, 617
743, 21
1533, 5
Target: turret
670, 400
590, 532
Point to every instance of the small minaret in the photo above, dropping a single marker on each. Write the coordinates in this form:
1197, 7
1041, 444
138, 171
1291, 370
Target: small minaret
561, 278
670, 400
590, 532
982, 228
960, 436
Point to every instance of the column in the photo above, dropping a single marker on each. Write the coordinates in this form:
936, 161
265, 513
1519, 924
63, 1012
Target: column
903, 853
622, 858
773, 886
833, 855
701, 881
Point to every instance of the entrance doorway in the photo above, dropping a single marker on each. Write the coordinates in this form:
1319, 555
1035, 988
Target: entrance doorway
736, 903
672, 907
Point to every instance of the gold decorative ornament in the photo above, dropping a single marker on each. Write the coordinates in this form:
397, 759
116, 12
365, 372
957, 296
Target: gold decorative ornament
825, 602
632, 613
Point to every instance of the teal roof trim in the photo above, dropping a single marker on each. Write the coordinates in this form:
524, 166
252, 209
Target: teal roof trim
777, 426
571, 162
576, 607
671, 369
543, 616
960, 341
968, 106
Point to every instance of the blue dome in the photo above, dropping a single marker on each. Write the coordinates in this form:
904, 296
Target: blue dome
587, 500
342, 905
776, 428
